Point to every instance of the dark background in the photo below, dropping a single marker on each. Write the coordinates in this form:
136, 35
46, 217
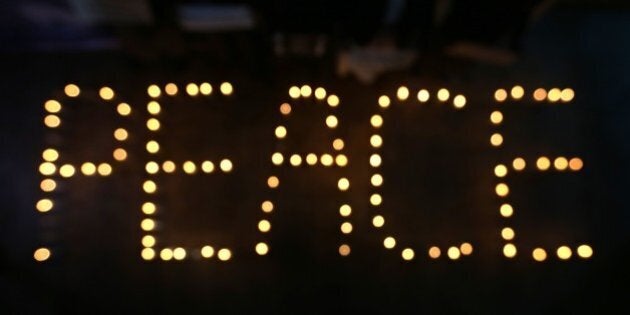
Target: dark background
437, 161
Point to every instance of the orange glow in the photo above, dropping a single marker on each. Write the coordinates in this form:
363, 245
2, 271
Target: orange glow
576, 164
104, 169
285, 109
41, 254
338, 144
540, 94
52, 121
171, 89
48, 185
168, 166
106, 93
466, 249
500, 95
266, 206
120, 154
273, 182
52, 106
344, 250
72, 90
435, 252
518, 164
121, 134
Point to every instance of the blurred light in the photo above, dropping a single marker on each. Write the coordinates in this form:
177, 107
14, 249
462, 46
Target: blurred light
543, 163
192, 89
169, 166
376, 121
147, 253
466, 249
147, 225
507, 233
502, 190
42, 254
435, 252
171, 89
205, 88
459, 101
50, 155
224, 254
576, 164
295, 160
509, 250
148, 208
331, 121
148, 241
285, 109
506, 210
378, 221
121, 134
189, 167
262, 249
104, 169
423, 95
585, 251
554, 95
179, 253
149, 186
540, 94
294, 92
66, 170
346, 228
207, 167
266, 206
453, 253
500, 95
383, 101
341, 160
153, 107
496, 117
389, 242
344, 250
567, 95
517, 92
376, 141
226, 88
326, 159
539, 254
72, 90
48, 185
120, 154
375, 160
306, 91
273, 182
518, 164
277, 158
311, 159
47, 168
44, 205
52, 106
152, 167
407, 254
496, 139
106, 93
166, 254
561, 163
154, 91
207, 251
333, 100
153, 146
281, 132
443, 95
123, 109
500, 170
345, 210
320, 93
226, 165
564, 252
88, 168
338, 144
376, 180
402, 93
343, 184
52, 121
376, 199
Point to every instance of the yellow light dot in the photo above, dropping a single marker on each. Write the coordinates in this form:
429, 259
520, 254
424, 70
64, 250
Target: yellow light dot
67, 170
123, 109
518, 164
443, 95
543, 163
383, 101
500, 170
333, 100
326, 159
153, 147
567, 95
47, 168
148, 241
147, 225
207, 251
189, 167
376, 199
554, 95
48, 185
149, 186
224, 254
306, 91
376, 121
408, 254
294, 92
506, 210
104, 169
500, 95
320, 93
331, 121
376, 141
169, 166
166, 254
120, 134
72, 90
561, 163
153, 124
585, 251
389, 242
435, 252
147, 253
507, 233
346, 228
273, 182
466, 249
148, 208
496, 117
338, 144
179, 253
423, 95
154, 91
564, 252
344, 250
205, 88
496, 139
343, 184
539, 254
266, 206
226, 88
277, 158
345, 210
502, 190
459, 101
509, 250
540, 94
152, 167
262, 249
88, 168
207, 167
295, 160
106, 93
42, 254
375, 160
453, 253
376, 180
341, 160
52, 121
311, 159
154, 108
192, 89
120, 154
378, 221
50, 155
285, 109
226, 165
281, 132
576, 164
402, 93
52, 106
264, 226
517, 92
44, 205
171, 89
